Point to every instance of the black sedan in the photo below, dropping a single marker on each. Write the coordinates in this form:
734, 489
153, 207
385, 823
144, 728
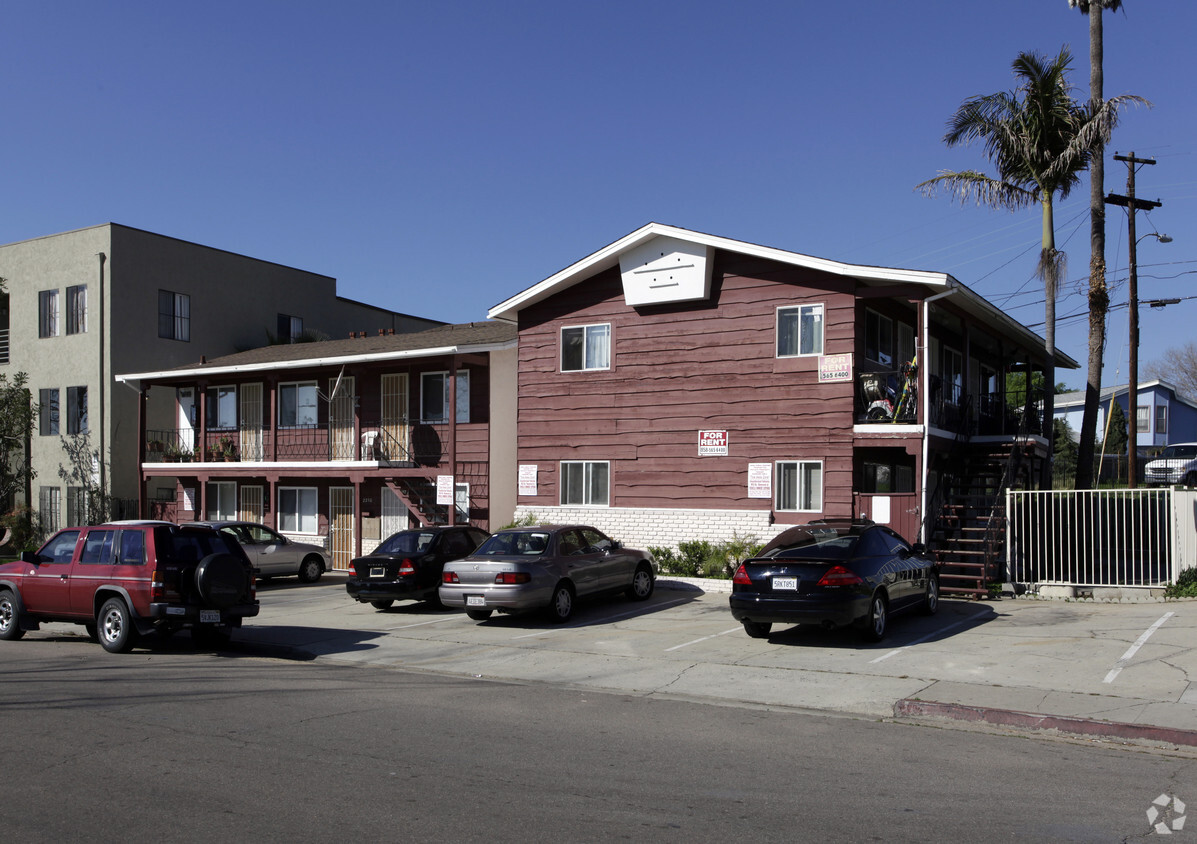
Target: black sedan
834, 574
408, 564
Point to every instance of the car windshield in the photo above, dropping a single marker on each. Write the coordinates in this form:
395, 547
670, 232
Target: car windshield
815, 543
1179, 452
407, 542
515, 543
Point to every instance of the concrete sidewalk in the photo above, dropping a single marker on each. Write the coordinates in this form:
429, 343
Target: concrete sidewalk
1118, 671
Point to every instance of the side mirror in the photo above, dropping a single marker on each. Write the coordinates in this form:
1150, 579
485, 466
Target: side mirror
30, 557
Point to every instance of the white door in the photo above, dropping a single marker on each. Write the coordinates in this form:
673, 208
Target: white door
186, 419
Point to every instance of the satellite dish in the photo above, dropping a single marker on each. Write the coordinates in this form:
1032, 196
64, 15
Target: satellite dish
336, 387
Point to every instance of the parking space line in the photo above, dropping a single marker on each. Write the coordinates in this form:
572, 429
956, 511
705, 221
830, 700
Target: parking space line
930, 635
1133, 649
703, 639
619, 617
422, 623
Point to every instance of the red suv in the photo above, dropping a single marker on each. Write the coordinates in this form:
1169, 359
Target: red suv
126, 579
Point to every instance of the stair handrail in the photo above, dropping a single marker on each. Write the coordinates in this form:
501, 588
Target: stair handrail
937, 503
1013, 460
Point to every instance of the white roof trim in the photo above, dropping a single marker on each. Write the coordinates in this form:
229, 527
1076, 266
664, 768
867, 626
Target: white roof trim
608, 256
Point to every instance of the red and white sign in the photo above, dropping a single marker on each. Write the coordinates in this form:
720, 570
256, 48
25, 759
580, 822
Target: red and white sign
712, 443
835, 368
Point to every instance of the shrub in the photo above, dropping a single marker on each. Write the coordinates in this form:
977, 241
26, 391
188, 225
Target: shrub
526, 520
726, 556
694, 556
1185, 585
666, 558
28, 532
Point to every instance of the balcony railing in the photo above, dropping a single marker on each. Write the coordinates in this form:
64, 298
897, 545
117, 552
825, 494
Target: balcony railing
3, 346
891, 396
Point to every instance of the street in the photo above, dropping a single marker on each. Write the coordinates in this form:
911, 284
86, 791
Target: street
181, 744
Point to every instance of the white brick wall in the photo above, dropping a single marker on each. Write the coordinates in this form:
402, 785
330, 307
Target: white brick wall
660, 526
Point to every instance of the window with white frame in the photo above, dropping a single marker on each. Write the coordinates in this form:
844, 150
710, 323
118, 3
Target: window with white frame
222, 408
879, 338
586, 347
586, 483
76, 316
174, 315
1161, 418
799, 485
297, 509
799, 331
297, 405
76, 410
434, 396
222, 501
48, 415
47, 313
1143, 419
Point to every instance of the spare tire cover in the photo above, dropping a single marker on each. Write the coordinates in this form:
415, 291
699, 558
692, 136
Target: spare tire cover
221, 580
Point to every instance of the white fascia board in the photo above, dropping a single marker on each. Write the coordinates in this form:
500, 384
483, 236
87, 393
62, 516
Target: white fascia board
334, 360
609, 256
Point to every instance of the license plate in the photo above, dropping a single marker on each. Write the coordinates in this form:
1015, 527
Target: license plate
378, 571
475, 601
210, 616
785, 584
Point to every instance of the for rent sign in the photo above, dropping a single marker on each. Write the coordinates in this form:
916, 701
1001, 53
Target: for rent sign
712, 443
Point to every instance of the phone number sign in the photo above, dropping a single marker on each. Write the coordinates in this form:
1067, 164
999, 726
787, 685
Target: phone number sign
712, 443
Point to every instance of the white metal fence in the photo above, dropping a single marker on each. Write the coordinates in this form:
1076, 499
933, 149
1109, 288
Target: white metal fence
1127, 537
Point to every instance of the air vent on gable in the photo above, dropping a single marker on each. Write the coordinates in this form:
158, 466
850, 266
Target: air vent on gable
664, 270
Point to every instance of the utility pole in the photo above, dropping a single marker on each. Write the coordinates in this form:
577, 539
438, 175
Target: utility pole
1132, 204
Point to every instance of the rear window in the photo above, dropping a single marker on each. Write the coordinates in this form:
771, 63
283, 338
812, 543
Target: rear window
815, 543
407, 542
191, 546
515, 544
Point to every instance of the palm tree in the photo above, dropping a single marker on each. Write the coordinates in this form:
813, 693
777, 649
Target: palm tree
1099, 294
1040, 140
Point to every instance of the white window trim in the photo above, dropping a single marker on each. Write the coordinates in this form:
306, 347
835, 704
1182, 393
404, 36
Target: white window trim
561, 482
297, 424
219, 490
315, 512
777, 330
798, 496
585, 334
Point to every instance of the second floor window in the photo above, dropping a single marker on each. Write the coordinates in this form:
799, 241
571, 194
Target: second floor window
174, 316
222, 407
289, 328
586, 347
1161, 418
76, 410
800, 331
76, 316
434, 396
297, 405
47, 313
48, 420
879, 338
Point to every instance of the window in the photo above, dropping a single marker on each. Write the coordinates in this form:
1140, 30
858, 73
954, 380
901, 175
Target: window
76, 505
800, 331
222, 501
1143, 418
76, 309
800, 485
47, 313
297, 510
953, 375
222, 407
434, 396
48, 416
297, 405
76, 410
132, 548
586, 347
97, 547
50, 507
174, 316
879, 338
585, 483
887, 478
1161, 418
289, 328
60, 549
905, 343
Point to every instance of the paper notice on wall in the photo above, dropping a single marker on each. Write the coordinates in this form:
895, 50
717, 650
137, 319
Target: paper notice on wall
760, 480
189, 498
527, 479
880, 509
444, 489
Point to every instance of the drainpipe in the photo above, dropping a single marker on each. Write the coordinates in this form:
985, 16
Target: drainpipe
103, 382
925, 370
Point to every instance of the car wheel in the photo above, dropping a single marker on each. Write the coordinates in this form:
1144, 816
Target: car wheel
757, 629
10, 622
310, 569
222, 580
931, 598
877, 620
382, 605
115, 627
206, 636
479, 615
561, 606
642, 583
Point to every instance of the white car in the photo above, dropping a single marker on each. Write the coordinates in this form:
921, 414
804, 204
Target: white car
272, 554
1176, 464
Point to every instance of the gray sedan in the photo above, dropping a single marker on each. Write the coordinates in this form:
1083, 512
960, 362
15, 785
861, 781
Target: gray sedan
272, 554
545, 567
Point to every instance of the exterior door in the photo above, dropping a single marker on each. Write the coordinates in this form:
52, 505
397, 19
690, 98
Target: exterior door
186, 420
396, 430
250, 416
340, 526
340, 418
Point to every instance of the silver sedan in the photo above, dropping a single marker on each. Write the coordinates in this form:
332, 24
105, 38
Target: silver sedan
272, 554
545, 567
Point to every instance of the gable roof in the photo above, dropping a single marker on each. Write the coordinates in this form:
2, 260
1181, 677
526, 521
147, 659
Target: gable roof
1076, 398
609, 256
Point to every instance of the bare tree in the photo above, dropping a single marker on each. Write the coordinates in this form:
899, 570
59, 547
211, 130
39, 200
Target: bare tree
1178, 367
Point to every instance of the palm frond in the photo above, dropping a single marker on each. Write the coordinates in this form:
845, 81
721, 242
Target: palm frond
971, 185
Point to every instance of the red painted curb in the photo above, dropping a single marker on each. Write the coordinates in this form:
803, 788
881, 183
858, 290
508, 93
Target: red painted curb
1033, 721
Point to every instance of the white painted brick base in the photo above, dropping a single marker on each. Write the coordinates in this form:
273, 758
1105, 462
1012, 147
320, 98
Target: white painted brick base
661, 527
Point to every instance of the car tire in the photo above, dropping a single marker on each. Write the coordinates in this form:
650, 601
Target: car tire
114, 625
931, 597
10, 617
757, 629
479, 615
561, 605
222, 580
310, 569
207, 636
877, 620
642, 585
385, 604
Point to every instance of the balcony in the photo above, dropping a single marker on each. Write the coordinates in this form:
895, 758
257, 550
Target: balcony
891, 396
3, 346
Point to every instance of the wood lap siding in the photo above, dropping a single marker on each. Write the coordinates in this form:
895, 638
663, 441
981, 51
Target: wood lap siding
678, 369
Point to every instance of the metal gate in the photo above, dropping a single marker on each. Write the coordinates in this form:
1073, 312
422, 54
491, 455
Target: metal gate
340, 526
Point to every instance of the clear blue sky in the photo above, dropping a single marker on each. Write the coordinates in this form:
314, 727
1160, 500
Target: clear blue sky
437, 158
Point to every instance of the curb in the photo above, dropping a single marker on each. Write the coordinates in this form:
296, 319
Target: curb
910, 708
